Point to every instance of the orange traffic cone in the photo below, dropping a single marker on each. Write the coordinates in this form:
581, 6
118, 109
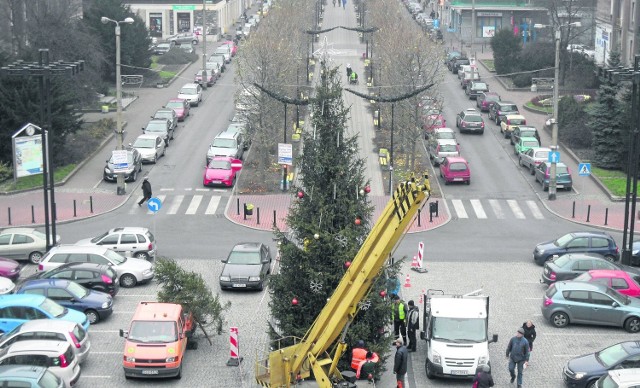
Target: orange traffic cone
407, 281
414, 263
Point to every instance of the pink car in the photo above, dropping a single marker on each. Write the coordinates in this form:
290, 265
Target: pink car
616, 279
455, 169
433, 121
222, 170
180, 106
232, 46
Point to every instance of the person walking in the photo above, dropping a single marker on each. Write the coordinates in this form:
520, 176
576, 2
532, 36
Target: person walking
146, 191
483, 378
399, 317
529, 333
400, 362
413, 324
518, 355
344, 4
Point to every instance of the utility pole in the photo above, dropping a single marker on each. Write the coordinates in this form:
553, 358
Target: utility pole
204, 44
554, 131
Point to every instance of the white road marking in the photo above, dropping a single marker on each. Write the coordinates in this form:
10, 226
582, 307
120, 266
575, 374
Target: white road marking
193, 206
213, 205
103, 331
203, 190
477, 207
173, 209
188, 188
517, 212
167, 189
497, 209
535, 210
459, 208
94, 376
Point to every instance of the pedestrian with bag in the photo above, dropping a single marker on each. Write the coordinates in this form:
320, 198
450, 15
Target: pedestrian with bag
146, 191
413, 324
518, 355
529, 333
400, 362
483, 378
399, 317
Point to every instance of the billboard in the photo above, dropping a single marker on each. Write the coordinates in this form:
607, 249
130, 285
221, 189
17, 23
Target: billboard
27, 152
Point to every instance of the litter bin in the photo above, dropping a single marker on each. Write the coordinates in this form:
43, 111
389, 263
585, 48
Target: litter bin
433, 208
248, 209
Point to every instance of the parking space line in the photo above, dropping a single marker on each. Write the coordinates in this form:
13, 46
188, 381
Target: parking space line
495, 206
203, 190
95, 377
517, 212
459, 208
193, 205
477, 207
103, 331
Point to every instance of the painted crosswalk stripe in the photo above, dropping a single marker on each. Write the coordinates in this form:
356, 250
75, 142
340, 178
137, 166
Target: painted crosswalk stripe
160, 197
535, 210
175, 204
213, 205
517, 212
459, 208
497, 209
193, 205
477, 207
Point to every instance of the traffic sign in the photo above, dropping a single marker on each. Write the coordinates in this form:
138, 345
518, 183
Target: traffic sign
154, 204
554, 157
285, 153
120, 161
584, 169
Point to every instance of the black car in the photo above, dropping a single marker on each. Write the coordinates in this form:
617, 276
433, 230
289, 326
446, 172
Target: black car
475, 88
571, 265
454, 64
134, 166
524, 131
635, 253
470, 120
577, 242
247, 266
98, 277
169, 114
584, 371
502, 108
160, 127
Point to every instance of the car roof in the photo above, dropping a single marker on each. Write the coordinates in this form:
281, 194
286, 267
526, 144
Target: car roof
148, 311
454, 159
60, 325
226, 135
608, 273
523, 126
148, 136
514, 116
626, 376
177, 100
190, 84
129, 229
580, 286
38, 346
78, 248
447, 142
528, 138
37, 283
21, 300
505, 103
85, 266
443, 129
590, 233
17, 230
247, 246
166, 109
540, 149
22, 371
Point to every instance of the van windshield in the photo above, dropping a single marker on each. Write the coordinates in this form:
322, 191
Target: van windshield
153, 331
459, 329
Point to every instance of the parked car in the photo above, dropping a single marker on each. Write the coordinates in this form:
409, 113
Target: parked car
159, 127
620, 281
454, 64
162, 48
475, 88
180, 106
591, 304
484, 100
571, 265
442, 148
577, 242
455, 169
524, 144
583, 371
502, 108
509, 122
192, 93
247, 266
7, 286
621, 378
17, 309
95, 305
470, 120
431, 122
232, 47
51, 330
225, 51
200, 80
98, 277
169, 114
441, 133
219, 60
29, 376
450, 56
523, 131
532, 158
187, 48
150, 147
24, 244
57, 356
226, 144
131, 271
9, 269
469, 75
127, 241
134, 166
583, 50
184, 37
635, 253
563, 176
221, 170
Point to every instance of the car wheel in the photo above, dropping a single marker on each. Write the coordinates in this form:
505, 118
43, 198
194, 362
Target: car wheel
560, 319
92, 316
469, 182
142, 255
164, 151
179, 375
261, 286
194, 42
134, 177
35, 257
532, 170
429, 370
233, 182
193, 345
520, 162
632, 325
140, 167
155, 159
592, 384
127, 280
545, 187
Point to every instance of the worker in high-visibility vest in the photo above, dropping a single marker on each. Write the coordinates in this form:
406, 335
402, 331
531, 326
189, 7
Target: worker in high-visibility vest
358, 354
399, 316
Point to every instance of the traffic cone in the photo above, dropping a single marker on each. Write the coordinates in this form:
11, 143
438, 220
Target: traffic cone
407, 281
421, 296
414, 263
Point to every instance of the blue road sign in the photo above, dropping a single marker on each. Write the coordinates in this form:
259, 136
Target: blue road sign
584, 169
554, 157
154, 204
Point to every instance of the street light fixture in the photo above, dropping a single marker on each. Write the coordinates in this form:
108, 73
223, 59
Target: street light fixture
554, 120
119, 132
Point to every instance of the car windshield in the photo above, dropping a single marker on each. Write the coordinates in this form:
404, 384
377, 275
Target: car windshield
459, 330
129, 158
189, 90
77, 290
49, 380
508, 108
448, 148
114, 257
156, 126
10, 334
446, 135
618, 297
527, 132
164, 46
220, 165
216, 59
223, 143
163, 114
52, 308
175, 104
473, 118
153, 332
247, 258
479, 85
39, 234
530, 144
458, 166
100, 237
562, 170
612, 355
542, 155
516, 121
143, 143
562, 261
564, 240
492, 97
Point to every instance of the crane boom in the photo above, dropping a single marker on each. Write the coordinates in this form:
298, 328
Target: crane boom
283, 365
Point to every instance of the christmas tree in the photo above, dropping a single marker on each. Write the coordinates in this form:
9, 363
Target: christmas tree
329, 221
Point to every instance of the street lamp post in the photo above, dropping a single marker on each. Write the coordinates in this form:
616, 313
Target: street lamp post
119, 133
556, 95
204, 44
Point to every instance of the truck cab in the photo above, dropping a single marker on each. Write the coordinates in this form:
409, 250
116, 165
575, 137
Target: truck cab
456, 332
157, 340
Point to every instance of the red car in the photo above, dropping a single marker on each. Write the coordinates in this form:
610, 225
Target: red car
486, 99
222, 170
180, 106
455, 169
616, 279
232, 46
9, 269
429, 123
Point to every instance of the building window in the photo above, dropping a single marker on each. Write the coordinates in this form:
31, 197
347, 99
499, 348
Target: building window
184, 21
487, 26
155, 24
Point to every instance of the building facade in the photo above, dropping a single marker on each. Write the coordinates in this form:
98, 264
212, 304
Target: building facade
617, 30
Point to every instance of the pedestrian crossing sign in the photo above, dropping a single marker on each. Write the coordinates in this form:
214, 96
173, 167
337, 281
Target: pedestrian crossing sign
584, 169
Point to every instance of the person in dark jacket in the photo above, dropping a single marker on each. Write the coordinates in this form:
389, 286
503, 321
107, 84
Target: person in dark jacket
400, 362
484, 378
518, 354
529, 333
146, 191
413, 324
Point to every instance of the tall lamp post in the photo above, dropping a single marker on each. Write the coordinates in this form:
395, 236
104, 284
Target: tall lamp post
556, 91
204, 44
119, 133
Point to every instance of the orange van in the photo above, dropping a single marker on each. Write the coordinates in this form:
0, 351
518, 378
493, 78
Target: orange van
157, 340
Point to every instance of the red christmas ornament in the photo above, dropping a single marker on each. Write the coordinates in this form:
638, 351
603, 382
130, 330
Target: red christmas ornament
300, 194
383, 293
367, 189
294, 301
347, 264
358, 221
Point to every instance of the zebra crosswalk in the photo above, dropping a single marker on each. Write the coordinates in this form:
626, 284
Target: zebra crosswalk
185, 204
494, 208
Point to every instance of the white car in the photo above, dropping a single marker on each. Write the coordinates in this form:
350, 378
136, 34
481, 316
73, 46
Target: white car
225, 51
582, 49
531, 158
192, 93
150, 147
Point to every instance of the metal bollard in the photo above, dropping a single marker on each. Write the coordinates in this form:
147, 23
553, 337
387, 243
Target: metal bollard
238, 206
91, 203
9, 213
54, 211
33, 215
258, 215
244, 212
74, 208
419, 211
606, 215
588, 212
573, 213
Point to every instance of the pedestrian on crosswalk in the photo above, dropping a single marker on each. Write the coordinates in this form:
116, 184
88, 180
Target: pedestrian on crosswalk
146, 191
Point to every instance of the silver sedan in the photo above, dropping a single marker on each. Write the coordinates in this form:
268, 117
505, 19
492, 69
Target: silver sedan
24, 243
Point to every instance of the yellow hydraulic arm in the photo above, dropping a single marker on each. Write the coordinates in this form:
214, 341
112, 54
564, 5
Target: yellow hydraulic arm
283, 365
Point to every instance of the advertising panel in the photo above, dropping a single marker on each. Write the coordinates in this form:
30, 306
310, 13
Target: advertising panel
28, 155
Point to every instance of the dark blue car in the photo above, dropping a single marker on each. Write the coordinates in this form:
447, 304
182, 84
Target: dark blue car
577, 242
95, 305
17, 309
583, 371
